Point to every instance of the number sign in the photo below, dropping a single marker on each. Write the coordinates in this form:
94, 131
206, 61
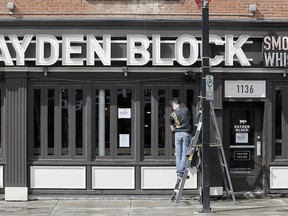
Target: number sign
245, 89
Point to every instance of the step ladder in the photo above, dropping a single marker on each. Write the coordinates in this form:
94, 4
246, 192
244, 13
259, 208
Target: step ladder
194, 144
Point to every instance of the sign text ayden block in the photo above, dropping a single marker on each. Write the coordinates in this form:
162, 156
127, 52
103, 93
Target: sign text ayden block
245, 89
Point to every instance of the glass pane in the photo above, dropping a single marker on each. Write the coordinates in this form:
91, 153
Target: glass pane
176, 93
189, 102
161, 121
147, 122
65, 122
278, 123
102, 127
242, 130
37, 120
0, 123
124, 97
51, 106
79, 121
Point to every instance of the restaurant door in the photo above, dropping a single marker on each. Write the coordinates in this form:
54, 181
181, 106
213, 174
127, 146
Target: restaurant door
243, 144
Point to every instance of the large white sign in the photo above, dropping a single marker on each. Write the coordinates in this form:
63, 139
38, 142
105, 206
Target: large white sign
245, 89
79, 49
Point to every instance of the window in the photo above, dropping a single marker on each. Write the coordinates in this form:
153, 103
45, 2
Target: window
280, 148
98, 121
58, 122
1, 119
158, 139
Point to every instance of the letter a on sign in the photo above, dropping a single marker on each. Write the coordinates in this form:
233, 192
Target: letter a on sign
199, 3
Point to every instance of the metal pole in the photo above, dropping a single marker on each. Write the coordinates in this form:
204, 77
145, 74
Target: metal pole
206, 111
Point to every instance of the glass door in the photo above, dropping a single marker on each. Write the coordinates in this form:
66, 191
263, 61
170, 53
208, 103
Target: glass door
243, 144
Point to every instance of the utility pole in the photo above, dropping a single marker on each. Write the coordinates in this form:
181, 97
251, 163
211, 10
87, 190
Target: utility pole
205, 194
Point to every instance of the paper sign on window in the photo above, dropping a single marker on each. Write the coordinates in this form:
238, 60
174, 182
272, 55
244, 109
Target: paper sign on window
124, 113
124, 140
241, 137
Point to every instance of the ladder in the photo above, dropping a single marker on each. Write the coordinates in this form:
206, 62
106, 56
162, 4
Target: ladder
180, 183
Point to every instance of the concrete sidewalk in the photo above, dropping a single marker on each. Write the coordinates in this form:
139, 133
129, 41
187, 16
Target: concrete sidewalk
149, 207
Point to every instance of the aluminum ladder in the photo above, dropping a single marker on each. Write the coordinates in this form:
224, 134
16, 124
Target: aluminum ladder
180, 183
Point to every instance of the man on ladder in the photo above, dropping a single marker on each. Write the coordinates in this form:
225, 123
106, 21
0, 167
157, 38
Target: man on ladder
180, 123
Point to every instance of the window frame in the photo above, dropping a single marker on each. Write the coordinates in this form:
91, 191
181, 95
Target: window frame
169, 138
284, 125
57, 121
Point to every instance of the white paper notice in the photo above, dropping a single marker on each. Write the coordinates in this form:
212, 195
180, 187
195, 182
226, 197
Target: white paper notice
241, 137
124, 140
124, 113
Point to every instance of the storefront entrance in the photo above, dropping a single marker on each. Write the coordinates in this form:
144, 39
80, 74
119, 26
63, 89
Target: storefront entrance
243, 143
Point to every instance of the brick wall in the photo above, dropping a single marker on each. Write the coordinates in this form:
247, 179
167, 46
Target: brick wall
149, 9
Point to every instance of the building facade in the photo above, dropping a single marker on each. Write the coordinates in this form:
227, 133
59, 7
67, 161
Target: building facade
85, 89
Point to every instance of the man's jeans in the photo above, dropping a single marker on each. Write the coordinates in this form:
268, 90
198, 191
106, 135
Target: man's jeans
182, 141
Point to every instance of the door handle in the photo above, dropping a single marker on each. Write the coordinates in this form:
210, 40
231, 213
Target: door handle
258, 148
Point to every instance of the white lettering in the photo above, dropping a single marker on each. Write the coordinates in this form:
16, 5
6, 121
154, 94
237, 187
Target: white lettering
104, 53
279, 59
276, 43
218, 41
68, 50
267, 43
138, 51
269, 59
41, 40
133, 48
4, 54
20, 48
156, 50
285, 43
232, 49
193, 50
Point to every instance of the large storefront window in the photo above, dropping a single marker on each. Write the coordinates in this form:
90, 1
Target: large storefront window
281, 123
58, 122
158, 139
67, 119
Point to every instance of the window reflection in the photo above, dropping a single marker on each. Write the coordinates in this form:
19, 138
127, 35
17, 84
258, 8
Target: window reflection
79, 121
147, 122
65, 122
102, 121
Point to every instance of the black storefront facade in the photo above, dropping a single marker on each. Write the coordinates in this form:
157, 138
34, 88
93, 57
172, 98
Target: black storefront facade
85, 104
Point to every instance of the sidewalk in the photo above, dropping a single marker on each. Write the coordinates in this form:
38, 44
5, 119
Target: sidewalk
149, 207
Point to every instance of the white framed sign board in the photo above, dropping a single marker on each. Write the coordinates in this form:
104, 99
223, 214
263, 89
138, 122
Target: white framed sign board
245, 89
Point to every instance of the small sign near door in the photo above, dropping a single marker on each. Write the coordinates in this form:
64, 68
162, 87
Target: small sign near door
242, 155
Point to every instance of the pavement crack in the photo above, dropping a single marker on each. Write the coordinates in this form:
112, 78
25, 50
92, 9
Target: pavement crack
130, 206
52, 209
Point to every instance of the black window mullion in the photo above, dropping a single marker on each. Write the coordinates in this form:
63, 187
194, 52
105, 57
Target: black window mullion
154, 120
44, 119
113, 120
71, 122
285, 122
58, 123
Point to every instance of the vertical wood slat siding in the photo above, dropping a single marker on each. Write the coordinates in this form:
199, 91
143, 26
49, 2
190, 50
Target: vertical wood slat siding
15, 130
